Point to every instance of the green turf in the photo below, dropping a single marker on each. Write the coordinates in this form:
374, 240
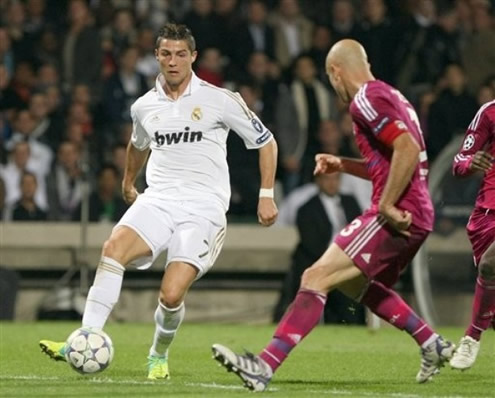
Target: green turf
332, 361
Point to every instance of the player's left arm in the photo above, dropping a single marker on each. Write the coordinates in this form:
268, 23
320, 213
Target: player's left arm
238, 117
267, 209
471, 157
405, 158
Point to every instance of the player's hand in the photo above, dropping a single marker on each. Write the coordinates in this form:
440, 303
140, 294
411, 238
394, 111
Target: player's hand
400, 220
482, 161
327, 164
129, 193
267, 211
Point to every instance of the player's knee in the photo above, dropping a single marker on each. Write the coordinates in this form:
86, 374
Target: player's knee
312, 279
111, 249
171, 298
487, 268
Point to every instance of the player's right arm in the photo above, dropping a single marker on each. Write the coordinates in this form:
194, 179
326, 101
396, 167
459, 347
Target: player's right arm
328, 164
135, 160
137, 153
471, 157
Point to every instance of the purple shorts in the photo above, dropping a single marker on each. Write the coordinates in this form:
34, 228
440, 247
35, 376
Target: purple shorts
377, 249
481, 231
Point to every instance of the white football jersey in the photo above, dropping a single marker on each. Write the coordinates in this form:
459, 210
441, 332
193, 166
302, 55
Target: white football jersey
188, 139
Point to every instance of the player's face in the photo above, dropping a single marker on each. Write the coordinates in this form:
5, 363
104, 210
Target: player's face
175, 60
337, 81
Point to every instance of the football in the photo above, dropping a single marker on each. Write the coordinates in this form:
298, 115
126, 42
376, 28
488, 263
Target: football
89, 351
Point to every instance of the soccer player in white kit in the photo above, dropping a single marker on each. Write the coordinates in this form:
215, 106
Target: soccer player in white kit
182, 124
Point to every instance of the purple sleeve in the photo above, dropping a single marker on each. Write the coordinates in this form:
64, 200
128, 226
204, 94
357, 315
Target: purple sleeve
374, 110
475, 139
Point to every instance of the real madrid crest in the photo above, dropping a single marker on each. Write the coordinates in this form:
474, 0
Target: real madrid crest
196, 114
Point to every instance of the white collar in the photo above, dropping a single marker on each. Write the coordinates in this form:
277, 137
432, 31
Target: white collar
193, 85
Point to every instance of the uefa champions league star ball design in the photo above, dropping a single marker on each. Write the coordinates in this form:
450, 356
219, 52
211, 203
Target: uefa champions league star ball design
89, 351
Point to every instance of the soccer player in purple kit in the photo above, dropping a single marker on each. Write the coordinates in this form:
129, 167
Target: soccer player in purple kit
477, 154
368, 255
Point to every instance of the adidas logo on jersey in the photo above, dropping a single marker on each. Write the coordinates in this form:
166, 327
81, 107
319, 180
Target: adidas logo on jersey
175, 138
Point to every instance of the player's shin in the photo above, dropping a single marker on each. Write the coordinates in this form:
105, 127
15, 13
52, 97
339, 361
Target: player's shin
483, 308
389, 306
167, 322
103, 294
301, 317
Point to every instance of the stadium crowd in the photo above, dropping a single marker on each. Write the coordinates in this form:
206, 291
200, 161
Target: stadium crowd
69, 71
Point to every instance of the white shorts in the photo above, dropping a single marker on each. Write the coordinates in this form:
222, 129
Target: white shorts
167, 225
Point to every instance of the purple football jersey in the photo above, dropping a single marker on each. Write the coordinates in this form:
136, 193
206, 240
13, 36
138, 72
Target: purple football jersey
480, 135
374, 109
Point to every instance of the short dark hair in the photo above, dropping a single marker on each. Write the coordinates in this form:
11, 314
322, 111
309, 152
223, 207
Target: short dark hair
176, 32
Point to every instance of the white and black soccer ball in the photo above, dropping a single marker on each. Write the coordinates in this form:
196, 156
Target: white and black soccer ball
89, 350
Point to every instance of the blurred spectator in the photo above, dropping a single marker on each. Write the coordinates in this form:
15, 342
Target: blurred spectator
256, 35
156, 13
300, 108
25, 126
35, 16
378, 36
23, 81
75, 134
6, 54
124, 87
81, 94
441, 47
47, 76
26, 208
348, 145
485, 94
81, 53
413, 38
2, 198
478, 52
54, 105
105, 203
9, 99
147, 64
423, 109
47, 130
203, 23
321, 43
122, 33
79, 113
318, 221
262, 74
293, 32
119, 153
22, 41
20, 162
229, 25
343, 20
64, 184
330, 138
451, 113
47, 49
292, 203
210, 66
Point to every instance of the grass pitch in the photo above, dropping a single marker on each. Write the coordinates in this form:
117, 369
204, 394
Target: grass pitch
331, 361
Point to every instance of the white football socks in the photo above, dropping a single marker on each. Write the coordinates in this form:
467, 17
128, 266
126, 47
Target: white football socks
167, 322
103, 294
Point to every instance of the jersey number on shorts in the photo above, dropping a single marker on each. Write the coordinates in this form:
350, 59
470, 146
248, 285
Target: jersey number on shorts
349, 230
